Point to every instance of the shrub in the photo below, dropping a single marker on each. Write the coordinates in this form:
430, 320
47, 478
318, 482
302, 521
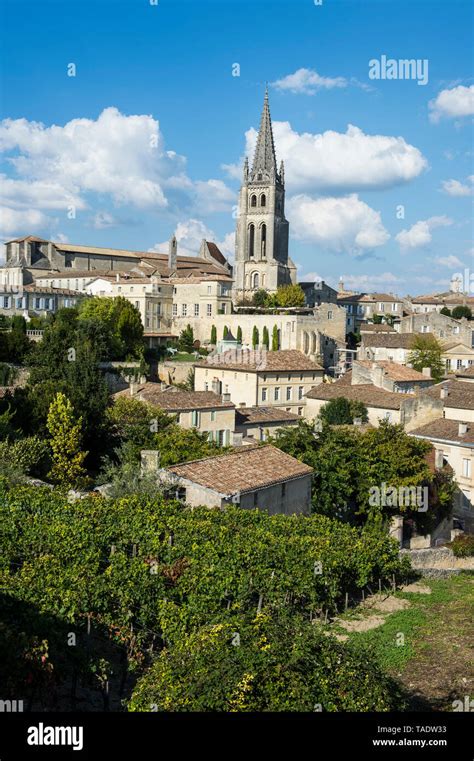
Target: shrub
463, 546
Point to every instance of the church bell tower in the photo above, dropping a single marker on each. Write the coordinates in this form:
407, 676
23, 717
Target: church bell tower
261, 248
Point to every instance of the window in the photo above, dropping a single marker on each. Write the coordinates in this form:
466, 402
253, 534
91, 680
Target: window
209, 310
174, 310
300, 392
288, 393
19, 303
255, 499
253, 201
47, 303
195, 418
137, 304
329, 315
394, 307
196, 310
209, 289
425, 328
255, 280
466, 468
184, 309
251, 240
300, 411
37, 303
264, 394
456, 329
213, 415
6, 302
382, 307
263, 240
263, 200
277, 393
283, 491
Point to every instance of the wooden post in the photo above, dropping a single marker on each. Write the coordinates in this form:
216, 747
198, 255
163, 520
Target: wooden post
394, 585
260, 602
112, 549
363, 595
88, 623
347, 601
380, 586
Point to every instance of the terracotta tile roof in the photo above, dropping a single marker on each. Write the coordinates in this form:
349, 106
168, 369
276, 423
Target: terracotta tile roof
286, 360
463, 348
33, 288
444, 298
258, 415
370, 395
28, 237
394, 370
372, 328
446, 430
177, 400
369, 298
388, 340
465, 372
243, 470
460, 395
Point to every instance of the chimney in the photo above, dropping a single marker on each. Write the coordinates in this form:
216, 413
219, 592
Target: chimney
226, 397
242, 404
357, 421
439, 458
172, 253
444, 392
150, 460
426, 372
463, 429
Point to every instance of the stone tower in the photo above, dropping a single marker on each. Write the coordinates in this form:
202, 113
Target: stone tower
261, 247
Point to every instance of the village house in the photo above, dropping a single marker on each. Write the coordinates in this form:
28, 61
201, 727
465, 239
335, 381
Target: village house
457, 397
260, 378
361, 307
408, 409
453, 442
262, 477
205, 411
435, 302
390, 376
258, 423
392, 347
442, 326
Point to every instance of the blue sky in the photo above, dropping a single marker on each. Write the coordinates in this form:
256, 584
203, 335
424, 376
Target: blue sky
148, 137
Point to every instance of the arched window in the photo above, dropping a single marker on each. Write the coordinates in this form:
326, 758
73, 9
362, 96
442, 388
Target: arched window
251, 240
263, 200
255, 280
263, 240
253, 201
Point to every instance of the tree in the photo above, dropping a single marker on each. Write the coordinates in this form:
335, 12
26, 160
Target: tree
275, 339
65, 431
461, 311
342, 411
213, 335
224, 332
290, 296
377, 319
122, 321
254, 337
427, 352
186, 339
260, 298
239, 334
265, 338
446, 311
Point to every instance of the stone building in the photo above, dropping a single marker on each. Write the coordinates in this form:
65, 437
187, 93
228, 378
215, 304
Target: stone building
263, 478
261, 249
268, 379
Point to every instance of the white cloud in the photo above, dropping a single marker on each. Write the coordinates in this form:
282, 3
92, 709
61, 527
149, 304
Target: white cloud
454, 103
457, 188
13, 221
449, 261
308, 81
420, 233
337, 224
189, 235
334, 161
309, 277
103, 220
120, 156
386, 281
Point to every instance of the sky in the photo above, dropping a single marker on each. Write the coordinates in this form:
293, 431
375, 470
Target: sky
125, 121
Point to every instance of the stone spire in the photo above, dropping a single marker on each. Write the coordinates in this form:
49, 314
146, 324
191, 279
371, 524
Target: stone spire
264, 160
282, 172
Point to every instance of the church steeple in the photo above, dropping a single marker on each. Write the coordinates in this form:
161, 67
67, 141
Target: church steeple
264, 161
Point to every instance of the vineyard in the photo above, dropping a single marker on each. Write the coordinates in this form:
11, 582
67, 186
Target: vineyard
103, 592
